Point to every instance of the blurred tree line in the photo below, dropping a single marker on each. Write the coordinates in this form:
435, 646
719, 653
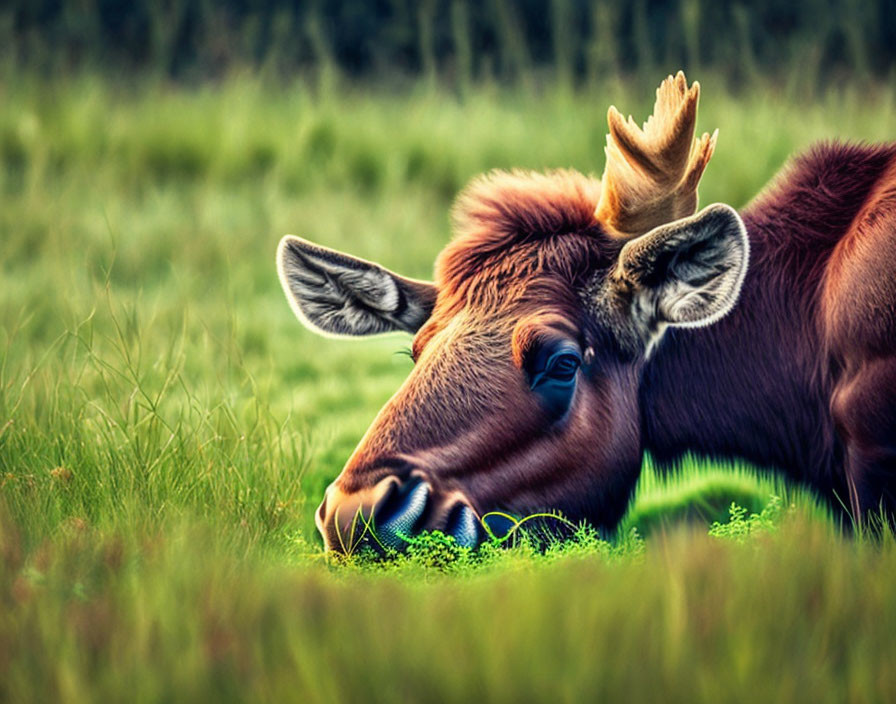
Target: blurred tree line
459, 41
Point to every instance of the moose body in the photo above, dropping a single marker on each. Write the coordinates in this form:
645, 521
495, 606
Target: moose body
801, 375
575, 323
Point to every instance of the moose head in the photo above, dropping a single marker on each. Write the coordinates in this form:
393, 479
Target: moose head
529, 342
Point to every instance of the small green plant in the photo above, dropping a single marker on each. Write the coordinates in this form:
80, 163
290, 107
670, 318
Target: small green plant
741, 526
436, 550
542, 537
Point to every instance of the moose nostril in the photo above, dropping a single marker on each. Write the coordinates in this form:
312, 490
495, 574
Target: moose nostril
396, 521
390, 501
462, 524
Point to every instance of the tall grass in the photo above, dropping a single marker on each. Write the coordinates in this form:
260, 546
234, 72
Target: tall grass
182, 614
167, 428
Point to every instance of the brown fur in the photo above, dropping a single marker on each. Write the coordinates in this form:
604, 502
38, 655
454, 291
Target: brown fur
502, 212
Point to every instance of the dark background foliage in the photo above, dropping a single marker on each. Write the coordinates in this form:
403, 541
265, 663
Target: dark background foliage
454, 40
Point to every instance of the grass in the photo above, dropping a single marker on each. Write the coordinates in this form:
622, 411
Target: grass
167, 428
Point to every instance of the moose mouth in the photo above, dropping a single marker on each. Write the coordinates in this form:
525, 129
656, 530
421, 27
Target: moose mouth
400, 512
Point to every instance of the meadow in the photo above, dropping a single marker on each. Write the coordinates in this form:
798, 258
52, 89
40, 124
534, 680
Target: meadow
167, 427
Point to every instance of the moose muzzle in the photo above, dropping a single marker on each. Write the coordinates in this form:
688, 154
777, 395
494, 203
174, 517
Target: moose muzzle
391, 513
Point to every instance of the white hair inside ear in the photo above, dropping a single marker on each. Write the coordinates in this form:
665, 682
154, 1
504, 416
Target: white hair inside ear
336, 294
687, 273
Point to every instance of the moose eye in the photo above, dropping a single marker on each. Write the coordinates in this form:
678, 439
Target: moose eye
553, 376
563, 366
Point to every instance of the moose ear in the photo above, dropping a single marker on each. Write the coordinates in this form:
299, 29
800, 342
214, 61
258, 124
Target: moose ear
686, 273
335, 294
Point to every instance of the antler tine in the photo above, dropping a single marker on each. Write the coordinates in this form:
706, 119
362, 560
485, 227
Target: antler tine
652, 171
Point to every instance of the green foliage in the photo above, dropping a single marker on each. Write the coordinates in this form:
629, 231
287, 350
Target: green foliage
562, 41
741, 526
436, 553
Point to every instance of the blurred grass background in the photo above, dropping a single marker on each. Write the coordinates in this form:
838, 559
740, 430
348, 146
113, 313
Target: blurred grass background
167, 427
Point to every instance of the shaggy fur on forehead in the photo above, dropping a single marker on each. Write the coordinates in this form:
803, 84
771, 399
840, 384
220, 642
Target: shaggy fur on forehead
502, 210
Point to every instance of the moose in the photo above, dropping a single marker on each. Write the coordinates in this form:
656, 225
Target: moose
574, 323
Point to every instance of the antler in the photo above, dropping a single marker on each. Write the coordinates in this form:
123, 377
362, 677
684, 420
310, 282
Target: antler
652, 172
